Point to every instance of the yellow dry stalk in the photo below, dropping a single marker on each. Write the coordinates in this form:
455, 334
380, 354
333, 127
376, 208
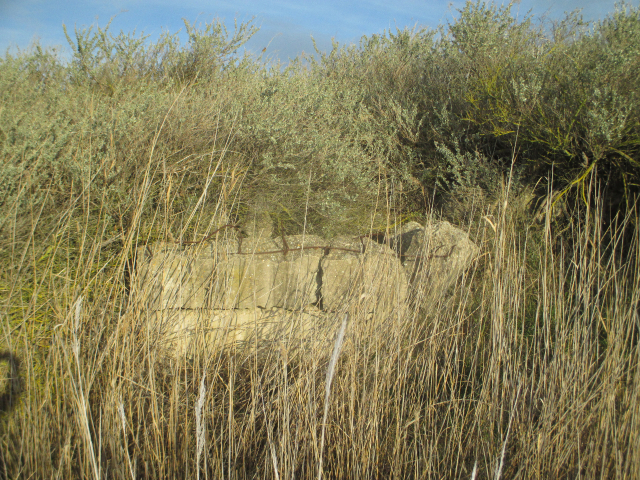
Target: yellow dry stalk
579, 182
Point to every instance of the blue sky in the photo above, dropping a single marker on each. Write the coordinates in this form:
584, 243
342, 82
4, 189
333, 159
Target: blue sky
286, 26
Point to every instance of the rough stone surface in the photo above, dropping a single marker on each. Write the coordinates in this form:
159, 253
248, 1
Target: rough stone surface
258, 224
170, 276
360, 268
240, 288
257, 278
176, 330
433, 257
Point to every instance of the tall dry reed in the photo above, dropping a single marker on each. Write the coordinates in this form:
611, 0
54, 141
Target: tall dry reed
528, 368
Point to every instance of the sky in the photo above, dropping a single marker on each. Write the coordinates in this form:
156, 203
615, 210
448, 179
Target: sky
286, 26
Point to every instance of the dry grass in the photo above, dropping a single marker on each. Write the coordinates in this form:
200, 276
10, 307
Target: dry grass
529, 369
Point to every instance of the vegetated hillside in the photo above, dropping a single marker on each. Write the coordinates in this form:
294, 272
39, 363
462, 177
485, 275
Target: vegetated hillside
527, 134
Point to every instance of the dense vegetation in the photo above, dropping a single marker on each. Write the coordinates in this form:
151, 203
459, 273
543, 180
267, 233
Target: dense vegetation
525, 134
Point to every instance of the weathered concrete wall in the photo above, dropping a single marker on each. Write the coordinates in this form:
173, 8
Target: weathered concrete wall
176, 330
238, 288
433, 257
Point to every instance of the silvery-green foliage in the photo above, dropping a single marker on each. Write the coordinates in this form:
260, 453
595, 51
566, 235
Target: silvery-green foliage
92, 121
105, 60
34, 135
527, 89
320, 138
607, 115
466, 169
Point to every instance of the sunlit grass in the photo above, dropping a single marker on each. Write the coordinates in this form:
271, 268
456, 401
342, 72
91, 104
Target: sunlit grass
526, 368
